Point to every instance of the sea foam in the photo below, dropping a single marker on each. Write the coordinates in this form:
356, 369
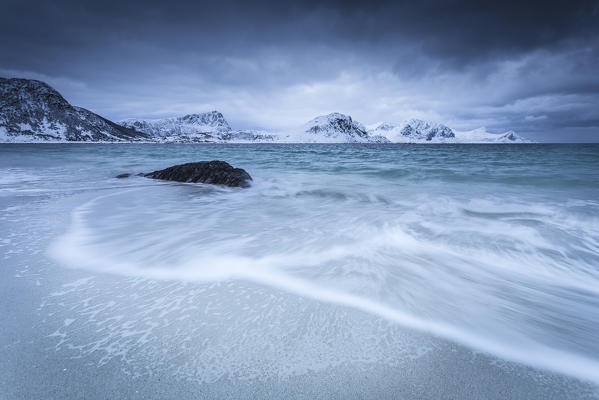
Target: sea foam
499, 277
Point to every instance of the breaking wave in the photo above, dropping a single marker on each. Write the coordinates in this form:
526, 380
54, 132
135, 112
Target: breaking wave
502, 274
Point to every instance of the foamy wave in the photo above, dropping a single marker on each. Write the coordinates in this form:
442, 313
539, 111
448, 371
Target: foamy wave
486, 279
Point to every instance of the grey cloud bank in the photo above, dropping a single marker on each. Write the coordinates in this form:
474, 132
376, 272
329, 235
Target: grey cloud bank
273, 65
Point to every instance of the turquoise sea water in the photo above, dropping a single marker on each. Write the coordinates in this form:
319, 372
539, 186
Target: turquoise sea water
426, 271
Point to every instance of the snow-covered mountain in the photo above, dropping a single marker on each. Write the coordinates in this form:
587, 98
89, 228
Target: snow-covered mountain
414, 130
200, 127
248, 136
32, 111
481, 135
190, 125
419, 131
334, 128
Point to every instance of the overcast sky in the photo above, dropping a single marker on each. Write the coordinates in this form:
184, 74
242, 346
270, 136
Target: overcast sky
528, 66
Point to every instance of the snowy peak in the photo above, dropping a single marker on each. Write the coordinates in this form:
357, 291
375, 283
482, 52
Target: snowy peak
419, 131
414, 130
335, 124
337, 127
31, 110
417, 128
199, 125
510, 136
212, 119
196, 128
29, 93
481, 135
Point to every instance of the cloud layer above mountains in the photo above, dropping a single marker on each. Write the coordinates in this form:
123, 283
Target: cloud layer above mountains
269, 64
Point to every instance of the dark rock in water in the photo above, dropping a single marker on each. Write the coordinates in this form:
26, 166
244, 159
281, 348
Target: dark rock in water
214, 172
121, 176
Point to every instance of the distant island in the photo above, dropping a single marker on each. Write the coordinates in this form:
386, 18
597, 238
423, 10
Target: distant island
31, 111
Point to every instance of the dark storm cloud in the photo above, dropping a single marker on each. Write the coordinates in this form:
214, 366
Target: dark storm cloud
458, 31
509, 63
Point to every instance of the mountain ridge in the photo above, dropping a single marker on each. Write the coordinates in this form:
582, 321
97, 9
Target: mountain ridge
420, 131
199, 127
33, 111
339, 128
